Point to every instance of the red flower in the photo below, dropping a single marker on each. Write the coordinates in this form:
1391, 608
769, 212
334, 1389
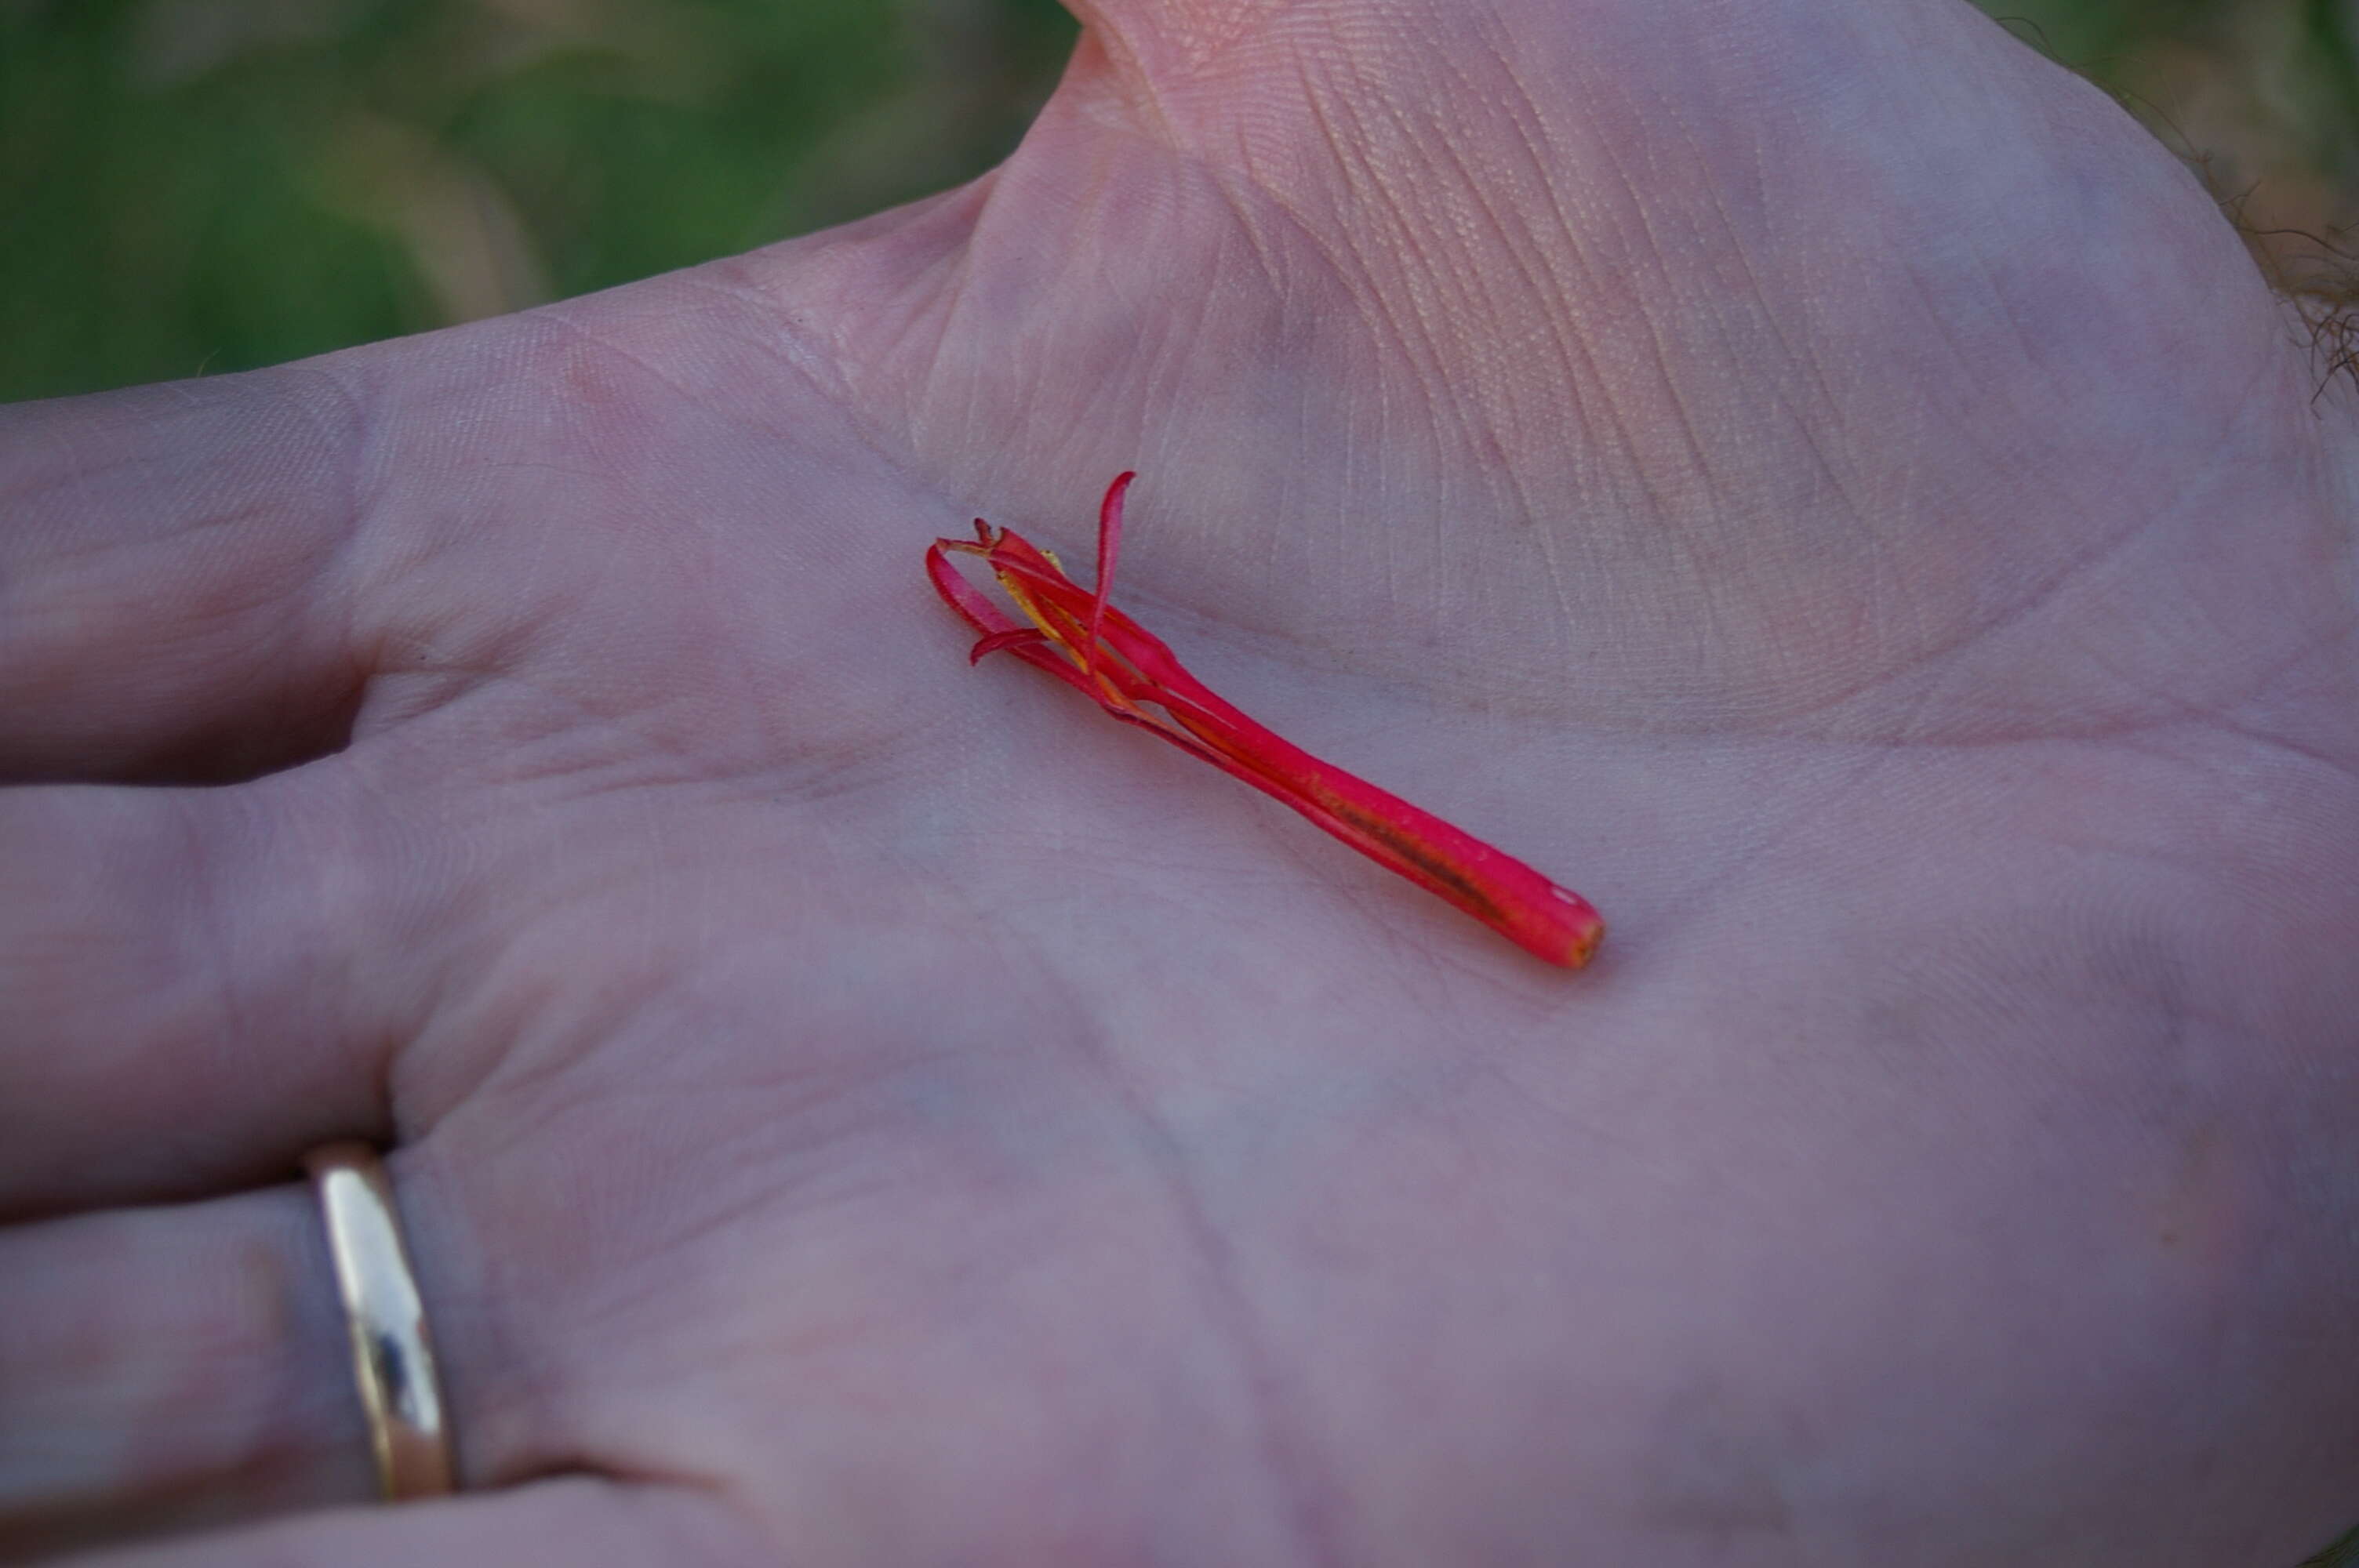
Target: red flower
1090, 645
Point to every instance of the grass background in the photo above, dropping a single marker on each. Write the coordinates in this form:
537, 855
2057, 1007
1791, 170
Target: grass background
197, 186
192, 186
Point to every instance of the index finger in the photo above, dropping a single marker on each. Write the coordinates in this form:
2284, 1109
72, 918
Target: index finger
170, 598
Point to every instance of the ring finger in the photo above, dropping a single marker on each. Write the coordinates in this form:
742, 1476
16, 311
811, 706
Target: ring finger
171, 1367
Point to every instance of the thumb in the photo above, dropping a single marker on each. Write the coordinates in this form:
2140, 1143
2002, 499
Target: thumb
1754, 354
1167, 41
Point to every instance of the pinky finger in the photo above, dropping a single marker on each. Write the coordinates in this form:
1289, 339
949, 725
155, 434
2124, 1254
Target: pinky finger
568, 1521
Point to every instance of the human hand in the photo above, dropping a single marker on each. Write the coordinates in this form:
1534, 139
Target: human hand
1812, 477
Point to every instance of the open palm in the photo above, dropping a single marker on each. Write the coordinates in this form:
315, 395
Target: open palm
1811, 476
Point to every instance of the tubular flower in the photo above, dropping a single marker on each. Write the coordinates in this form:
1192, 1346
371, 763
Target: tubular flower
1077, 636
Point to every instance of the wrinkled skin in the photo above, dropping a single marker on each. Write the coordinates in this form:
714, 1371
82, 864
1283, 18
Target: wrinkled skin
1810, 475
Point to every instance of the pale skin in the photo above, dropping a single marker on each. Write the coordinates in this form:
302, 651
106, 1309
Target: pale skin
1813, 476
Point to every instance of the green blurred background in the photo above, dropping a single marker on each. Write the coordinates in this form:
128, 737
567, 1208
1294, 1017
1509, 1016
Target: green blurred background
197, 186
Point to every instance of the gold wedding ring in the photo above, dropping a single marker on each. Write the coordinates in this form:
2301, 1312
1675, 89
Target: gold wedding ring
393, 1359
